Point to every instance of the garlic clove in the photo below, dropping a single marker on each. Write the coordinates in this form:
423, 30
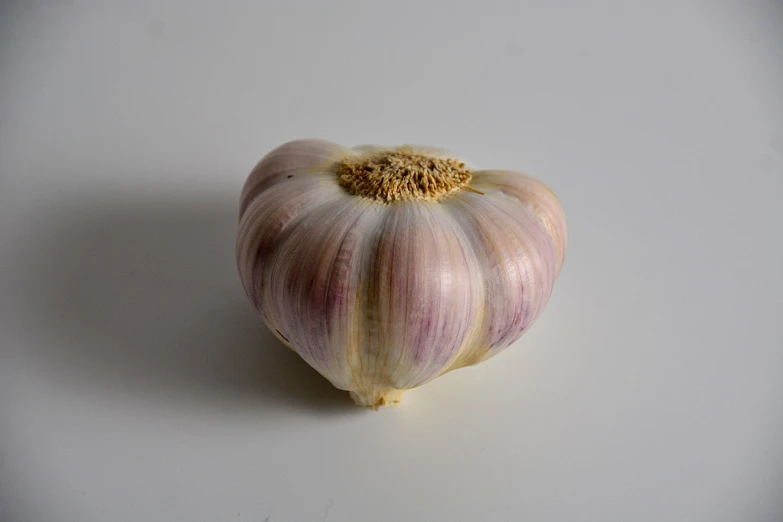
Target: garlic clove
535, 196
369, 149
311, 285
292, 159
271, 213
424, 296
517, 257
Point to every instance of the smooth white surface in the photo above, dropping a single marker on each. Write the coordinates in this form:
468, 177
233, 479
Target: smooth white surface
137, 385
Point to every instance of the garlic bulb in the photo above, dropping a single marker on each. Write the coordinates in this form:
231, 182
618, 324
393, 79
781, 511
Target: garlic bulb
385, 268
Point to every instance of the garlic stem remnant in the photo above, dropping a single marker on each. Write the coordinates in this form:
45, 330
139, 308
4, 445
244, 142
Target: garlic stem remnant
385, 268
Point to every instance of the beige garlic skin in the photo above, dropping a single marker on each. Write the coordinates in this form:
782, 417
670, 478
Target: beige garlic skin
385, 268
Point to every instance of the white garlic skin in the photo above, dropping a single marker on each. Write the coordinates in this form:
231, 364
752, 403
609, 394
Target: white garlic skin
381, 297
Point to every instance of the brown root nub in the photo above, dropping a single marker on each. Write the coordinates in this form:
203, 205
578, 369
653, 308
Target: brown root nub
402, 174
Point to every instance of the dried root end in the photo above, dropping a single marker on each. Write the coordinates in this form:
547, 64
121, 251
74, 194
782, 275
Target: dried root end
402, 174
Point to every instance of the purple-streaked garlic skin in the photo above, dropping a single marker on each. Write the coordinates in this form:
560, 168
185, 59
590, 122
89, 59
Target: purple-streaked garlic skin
380, 297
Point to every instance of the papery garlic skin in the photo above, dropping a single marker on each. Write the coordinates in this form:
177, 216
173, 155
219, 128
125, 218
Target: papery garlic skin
381, 296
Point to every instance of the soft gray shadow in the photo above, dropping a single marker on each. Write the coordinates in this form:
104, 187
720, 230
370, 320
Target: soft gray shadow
143, 297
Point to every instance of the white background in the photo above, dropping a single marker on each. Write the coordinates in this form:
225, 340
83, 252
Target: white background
136, 383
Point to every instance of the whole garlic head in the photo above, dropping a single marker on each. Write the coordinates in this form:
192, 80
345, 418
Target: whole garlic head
385, 268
